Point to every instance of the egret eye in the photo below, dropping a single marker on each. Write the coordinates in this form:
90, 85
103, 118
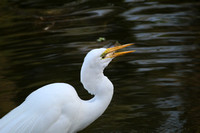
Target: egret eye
103, 55
106, 54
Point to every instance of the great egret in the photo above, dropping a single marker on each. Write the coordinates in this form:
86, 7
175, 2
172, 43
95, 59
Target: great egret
56, 108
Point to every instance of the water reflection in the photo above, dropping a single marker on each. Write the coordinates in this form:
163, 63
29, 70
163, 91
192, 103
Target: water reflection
156, 88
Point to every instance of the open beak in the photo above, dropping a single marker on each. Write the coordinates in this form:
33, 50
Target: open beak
110, 52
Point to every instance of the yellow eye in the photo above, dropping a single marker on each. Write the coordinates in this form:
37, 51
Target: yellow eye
103, 55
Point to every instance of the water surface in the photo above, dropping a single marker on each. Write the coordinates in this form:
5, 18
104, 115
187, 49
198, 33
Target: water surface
156, 88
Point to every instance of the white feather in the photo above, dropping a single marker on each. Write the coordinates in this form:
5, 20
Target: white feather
56, 108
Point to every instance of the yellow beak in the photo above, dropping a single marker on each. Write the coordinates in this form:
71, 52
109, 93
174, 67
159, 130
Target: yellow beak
113, 49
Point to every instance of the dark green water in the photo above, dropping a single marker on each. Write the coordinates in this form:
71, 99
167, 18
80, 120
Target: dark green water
157, 88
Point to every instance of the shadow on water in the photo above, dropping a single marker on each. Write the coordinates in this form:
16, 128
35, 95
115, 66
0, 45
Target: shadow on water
156, 88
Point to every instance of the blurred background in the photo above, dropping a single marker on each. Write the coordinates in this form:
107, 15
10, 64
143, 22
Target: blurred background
157, 88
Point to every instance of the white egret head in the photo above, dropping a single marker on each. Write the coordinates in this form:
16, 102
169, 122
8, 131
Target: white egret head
95, 62
100, 58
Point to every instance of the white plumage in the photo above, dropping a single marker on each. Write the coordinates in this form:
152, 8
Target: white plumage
56, 108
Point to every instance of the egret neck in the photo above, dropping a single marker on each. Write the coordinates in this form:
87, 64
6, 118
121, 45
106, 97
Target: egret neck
100, 86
